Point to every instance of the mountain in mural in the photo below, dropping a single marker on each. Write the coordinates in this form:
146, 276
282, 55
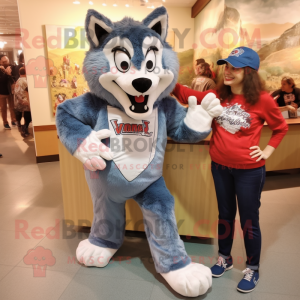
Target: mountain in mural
268, 31
290, 38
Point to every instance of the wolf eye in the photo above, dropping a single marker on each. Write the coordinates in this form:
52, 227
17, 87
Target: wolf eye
122, 61
150, 61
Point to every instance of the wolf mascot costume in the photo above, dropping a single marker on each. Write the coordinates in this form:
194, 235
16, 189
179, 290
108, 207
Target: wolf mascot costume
119, 131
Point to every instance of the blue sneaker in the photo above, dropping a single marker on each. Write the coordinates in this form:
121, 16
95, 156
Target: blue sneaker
221, 266
249, 282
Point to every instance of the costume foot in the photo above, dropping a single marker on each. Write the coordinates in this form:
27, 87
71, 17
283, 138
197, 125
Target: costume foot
191, 281
93, 256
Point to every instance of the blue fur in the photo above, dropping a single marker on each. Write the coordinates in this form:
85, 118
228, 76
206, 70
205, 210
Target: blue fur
76, 118
157, 205
155, 14
95, 62
94, 13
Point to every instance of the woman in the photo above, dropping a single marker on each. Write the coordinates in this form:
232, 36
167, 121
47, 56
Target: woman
288, 95
22, 104
238, 164
203, 81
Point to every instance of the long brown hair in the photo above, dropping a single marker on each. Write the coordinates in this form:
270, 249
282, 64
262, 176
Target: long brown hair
207, 70
253, 85
289, 81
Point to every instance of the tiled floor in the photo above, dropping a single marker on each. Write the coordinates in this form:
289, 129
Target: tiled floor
31, 196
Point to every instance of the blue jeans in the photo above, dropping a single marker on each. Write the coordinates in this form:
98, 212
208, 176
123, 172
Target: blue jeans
245, 185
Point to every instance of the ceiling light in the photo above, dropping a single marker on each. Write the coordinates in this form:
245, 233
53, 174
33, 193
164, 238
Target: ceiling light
1, 44
127, 5
115, 4
76, 2
104, 4
91, 3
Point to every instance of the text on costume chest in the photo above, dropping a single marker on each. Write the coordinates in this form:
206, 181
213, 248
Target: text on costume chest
128, 128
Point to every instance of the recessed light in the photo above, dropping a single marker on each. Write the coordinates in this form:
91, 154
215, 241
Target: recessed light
115, 4
76, 2
91, 3
104, 4
127, 5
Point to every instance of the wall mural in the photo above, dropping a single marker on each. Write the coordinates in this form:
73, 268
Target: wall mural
270, 27
66, 78
275, 27
208, 25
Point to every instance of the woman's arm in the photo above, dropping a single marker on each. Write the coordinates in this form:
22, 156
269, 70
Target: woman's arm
275, 93
277, 124
182, 93
297, 95
287, 107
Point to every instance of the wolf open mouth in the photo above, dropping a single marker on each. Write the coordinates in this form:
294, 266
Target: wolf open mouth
139, 104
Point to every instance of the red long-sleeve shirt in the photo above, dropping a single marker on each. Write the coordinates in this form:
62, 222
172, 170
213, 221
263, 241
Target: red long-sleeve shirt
239, 127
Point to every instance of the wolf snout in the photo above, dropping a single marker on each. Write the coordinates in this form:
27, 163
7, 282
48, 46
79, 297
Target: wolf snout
142, 85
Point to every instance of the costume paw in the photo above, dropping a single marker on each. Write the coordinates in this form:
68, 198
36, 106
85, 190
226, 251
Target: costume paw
93, 256
211, 104
92, 151
191, 281
199, 117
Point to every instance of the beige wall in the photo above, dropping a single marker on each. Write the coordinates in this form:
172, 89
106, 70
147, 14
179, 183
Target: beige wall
35, 13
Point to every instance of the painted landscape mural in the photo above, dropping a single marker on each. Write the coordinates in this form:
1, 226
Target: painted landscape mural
275, 27
270, 27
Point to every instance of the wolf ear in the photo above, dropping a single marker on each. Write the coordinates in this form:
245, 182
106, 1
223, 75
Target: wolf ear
97, 27
158, 21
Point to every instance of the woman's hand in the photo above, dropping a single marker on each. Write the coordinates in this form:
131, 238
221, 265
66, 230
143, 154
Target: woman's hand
261, 154
295, 105
291, 108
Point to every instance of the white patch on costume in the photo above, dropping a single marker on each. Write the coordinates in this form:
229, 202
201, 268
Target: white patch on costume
120, 84
132, 142
233, 118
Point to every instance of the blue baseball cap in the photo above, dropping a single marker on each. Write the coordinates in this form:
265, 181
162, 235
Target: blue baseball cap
242, 57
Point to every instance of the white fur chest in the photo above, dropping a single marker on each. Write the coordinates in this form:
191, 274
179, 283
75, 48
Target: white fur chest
133, 142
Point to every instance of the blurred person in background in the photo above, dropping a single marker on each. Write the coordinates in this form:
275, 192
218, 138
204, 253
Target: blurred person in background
288, 94
201, 61
22, 104
6, 84
16, 69
203, 81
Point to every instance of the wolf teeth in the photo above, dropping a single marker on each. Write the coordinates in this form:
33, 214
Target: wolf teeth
132, 107
145, 107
